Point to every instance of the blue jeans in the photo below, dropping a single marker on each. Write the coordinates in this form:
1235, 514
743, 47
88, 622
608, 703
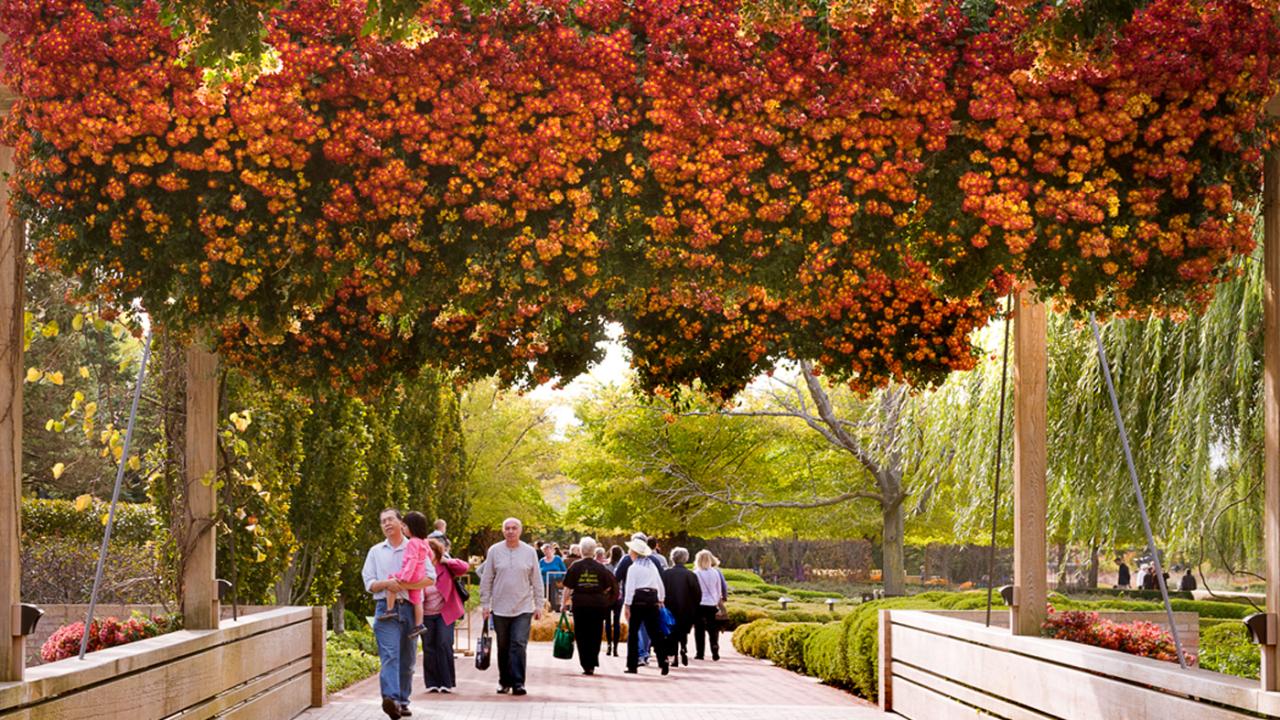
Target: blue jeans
437, 653
396, 651
513, 638
644, 643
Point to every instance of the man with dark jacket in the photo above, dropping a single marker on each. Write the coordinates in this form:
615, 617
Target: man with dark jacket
683, 595
591, 590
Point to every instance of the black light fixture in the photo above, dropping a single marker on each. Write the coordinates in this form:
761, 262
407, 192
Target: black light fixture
31, 615
784, 600
1259, 627
831, 604
868, 597
1006, 593
224, 589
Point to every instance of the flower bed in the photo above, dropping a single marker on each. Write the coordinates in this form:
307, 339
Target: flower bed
105, 633
1136, 638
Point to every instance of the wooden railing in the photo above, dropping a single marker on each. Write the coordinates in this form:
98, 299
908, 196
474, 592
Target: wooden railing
934, 667
265, 666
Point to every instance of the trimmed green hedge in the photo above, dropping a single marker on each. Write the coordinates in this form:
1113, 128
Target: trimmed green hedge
135, 522
786, 649
1227, 648
824, 655
755, 637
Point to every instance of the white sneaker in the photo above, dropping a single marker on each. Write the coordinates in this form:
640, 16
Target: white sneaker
445, 690
433, 689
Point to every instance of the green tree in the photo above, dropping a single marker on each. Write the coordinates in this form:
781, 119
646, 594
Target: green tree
510, 453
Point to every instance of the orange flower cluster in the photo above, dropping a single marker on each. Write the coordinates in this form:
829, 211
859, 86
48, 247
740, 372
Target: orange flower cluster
1119, 176
857, 187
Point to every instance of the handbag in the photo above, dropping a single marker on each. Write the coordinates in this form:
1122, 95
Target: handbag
562, 646
666, 620
484, 647
460, 589
722, 612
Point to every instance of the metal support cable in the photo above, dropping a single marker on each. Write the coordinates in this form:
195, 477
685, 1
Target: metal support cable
1137, 488
995, 493
115, 493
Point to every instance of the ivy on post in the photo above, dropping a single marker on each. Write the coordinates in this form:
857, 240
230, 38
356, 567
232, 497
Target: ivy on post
199, 588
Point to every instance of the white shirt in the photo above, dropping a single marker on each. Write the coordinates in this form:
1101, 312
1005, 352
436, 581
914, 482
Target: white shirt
710, 580
644, 573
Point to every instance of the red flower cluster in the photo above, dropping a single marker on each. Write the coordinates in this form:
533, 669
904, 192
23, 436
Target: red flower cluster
733, 186
1136, 638
65, 641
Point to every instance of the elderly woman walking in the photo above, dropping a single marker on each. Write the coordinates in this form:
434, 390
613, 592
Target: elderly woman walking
642, 599
591, 589
441, 609
714, 590
684, 594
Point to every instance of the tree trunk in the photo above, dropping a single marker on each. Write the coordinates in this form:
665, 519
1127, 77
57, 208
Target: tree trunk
894, 569
1093, 565
339, 621
1062, 565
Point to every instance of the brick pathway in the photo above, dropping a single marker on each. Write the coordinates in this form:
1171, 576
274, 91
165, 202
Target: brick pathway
735, 688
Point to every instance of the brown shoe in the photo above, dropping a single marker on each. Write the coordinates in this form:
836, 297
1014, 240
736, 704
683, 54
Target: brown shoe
391, 708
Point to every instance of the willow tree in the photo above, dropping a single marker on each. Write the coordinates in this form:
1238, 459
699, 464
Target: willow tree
1189, 391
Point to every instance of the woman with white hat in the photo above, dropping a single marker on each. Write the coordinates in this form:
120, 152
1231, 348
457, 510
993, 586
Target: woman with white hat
643, 597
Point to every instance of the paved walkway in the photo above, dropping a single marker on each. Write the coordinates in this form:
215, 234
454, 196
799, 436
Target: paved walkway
735, 688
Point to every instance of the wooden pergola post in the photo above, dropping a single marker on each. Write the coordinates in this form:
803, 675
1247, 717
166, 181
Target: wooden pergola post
200, 591
1030, 381
11, 374
1271, 415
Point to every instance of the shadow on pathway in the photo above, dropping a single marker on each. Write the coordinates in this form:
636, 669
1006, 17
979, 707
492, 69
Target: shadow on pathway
735, 688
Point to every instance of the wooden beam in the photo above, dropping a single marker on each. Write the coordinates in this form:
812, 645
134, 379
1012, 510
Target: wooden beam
200, 592
1271, 408
318, 628
11, 374
1030, 380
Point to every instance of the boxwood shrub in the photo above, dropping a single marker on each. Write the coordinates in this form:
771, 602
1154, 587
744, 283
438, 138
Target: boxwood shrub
786, 649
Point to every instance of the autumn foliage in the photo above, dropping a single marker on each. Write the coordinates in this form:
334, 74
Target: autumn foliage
856, 183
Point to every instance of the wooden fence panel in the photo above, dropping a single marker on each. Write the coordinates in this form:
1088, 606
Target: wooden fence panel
944, 667
262, 666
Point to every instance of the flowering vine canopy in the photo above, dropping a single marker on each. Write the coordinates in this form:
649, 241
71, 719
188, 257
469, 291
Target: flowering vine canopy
854, 182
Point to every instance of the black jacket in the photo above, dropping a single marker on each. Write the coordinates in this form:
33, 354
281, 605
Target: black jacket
684, 594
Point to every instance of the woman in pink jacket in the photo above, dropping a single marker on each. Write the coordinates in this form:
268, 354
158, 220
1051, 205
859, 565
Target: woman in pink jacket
441, 608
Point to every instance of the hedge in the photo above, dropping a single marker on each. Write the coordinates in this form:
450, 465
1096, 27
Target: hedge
754, 638
135, 523
1227, 648
786, 649
824, 655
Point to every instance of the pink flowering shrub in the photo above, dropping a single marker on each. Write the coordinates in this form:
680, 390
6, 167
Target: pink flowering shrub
105, 633
1136, 638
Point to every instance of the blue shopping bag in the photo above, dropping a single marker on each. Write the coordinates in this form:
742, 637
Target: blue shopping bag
666, 621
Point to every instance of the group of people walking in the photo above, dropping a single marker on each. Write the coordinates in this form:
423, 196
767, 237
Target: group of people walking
413, 582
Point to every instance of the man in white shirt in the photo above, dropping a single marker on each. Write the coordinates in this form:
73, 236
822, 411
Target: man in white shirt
396, 648
511, 593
